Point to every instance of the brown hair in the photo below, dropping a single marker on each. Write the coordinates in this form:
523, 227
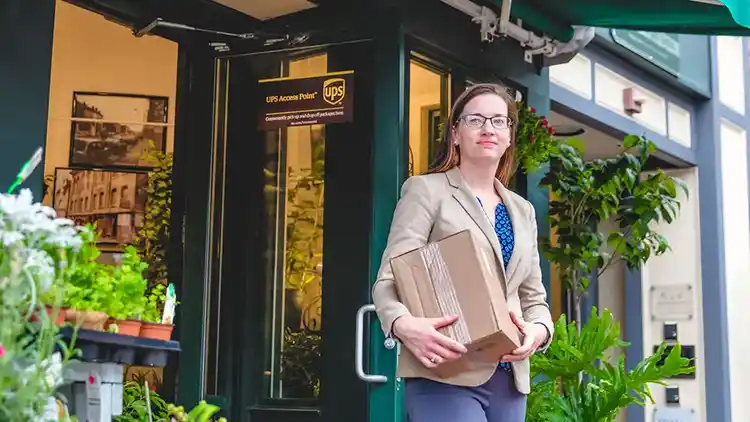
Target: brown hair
451, 156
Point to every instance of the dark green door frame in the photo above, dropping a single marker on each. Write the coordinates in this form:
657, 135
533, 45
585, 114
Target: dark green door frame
193, 178
389, 170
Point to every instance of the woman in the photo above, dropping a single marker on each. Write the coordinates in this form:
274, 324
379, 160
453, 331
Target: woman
466, 190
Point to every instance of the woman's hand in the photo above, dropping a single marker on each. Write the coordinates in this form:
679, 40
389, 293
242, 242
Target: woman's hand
533, 337
421, 337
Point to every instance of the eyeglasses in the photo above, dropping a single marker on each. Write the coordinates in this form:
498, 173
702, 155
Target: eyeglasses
475, 121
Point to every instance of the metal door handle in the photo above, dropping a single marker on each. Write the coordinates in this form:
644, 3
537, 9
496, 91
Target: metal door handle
359, 348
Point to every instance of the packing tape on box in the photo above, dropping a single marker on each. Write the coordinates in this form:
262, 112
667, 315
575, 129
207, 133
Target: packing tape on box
446, 296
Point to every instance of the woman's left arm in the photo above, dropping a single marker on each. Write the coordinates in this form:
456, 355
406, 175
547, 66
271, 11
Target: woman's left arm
531, 292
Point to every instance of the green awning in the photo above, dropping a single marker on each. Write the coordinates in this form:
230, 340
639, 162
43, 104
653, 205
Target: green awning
706, 17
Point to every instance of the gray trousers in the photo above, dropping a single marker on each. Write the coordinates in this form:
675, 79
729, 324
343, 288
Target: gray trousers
495, 401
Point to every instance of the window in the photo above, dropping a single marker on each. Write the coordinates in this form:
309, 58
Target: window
429, 93
295, 203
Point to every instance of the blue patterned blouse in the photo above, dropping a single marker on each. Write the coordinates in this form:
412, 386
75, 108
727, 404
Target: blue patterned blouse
504, 231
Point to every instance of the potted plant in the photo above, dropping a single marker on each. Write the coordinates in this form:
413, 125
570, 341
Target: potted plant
158, 324
88, 286
128, 300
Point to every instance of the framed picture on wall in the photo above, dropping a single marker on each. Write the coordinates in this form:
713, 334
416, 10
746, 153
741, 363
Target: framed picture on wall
115, 201
116, 130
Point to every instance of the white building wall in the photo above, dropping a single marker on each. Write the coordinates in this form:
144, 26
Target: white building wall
737, 262
672, 293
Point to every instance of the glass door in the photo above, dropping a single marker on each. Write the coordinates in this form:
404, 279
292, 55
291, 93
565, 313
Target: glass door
290, 256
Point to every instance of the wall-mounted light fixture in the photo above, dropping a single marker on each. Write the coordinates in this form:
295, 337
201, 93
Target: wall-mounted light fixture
631, 101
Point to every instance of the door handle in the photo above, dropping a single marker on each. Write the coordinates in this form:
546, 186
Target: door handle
360, 345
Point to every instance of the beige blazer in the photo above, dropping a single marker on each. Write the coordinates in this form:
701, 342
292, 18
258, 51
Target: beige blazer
435, 206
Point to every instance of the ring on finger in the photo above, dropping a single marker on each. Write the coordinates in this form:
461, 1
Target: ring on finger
434, 359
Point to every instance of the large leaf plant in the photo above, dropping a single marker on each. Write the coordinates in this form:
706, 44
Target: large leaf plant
561, 395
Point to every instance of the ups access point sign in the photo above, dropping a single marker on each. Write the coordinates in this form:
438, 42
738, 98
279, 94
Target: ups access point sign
306, 101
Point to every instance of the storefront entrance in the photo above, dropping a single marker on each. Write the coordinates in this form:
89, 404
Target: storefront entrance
290, 256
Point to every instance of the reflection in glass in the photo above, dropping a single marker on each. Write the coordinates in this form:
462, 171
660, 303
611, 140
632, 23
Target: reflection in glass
295, 202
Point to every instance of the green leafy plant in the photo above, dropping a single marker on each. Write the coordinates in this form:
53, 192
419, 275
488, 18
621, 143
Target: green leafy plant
587, 193
88, 284
128, 298
203, 412
152, 240
608, 388
590, 192
135, 407
535, 141
154, 304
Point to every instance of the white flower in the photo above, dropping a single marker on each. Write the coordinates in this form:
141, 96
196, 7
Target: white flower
34, 223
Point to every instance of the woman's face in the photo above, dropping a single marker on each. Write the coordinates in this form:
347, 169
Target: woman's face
483, 131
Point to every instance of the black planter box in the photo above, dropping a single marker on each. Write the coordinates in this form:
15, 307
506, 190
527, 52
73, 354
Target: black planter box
101, 347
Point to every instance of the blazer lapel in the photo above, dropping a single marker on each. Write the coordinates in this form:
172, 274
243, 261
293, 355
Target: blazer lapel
471, 205
516, 217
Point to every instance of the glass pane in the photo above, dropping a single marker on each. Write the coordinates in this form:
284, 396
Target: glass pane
295, 204
428, 104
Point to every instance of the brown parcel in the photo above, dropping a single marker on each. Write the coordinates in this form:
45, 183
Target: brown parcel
453, 277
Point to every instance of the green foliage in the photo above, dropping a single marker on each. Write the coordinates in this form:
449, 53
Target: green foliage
128, 298
534, 139
155, 304
300, 358
304, 218
152, 240
579, 381
118, 291
135, 407
203, 412
589, 192
301, 362
88, 284
608, 387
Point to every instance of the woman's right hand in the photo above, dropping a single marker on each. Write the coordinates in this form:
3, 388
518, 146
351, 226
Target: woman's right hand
422, 338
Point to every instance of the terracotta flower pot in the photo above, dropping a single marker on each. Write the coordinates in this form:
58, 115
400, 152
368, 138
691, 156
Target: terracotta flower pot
127, 327
60, 317
88, 320
156, 331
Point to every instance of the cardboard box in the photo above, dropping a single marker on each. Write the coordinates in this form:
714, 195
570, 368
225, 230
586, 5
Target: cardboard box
454, 277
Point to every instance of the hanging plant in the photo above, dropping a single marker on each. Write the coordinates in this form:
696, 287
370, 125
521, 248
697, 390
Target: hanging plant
535, 141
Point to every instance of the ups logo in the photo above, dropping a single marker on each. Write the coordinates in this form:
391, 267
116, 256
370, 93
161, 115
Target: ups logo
334, 91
